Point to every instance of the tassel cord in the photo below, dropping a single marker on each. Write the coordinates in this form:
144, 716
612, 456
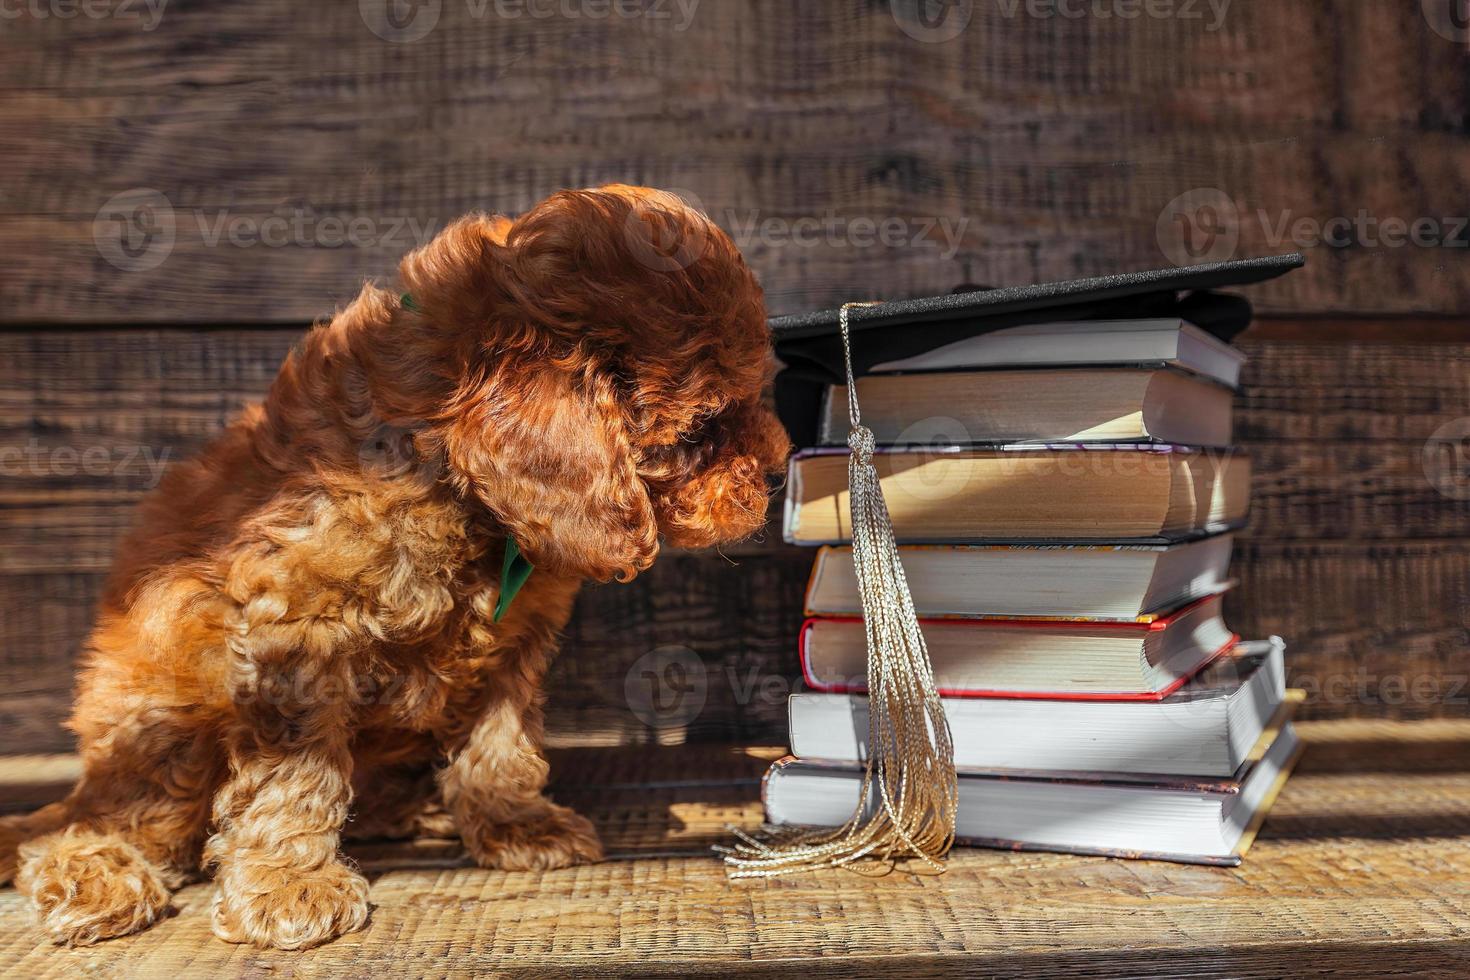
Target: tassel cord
909, 795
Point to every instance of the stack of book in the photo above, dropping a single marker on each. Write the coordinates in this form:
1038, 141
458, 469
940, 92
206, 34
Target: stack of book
1063, 495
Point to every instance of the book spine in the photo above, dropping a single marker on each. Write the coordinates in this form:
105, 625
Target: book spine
813, 577
824, 428
838, 687
790, 508
1060, 624
995, 843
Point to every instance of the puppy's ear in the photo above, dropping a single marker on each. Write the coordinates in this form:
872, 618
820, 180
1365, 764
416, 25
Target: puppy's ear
550, 457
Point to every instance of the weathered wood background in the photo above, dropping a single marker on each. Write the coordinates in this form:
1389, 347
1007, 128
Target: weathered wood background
183, 191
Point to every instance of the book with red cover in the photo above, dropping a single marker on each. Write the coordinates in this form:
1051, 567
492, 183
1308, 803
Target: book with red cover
1031, 658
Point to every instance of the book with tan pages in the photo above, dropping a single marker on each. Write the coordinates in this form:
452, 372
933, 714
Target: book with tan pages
1057, 493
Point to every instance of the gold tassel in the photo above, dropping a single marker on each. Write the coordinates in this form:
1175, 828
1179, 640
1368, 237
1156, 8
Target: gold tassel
910, 765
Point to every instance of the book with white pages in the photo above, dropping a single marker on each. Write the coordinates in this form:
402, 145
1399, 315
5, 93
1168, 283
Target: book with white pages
1035, 405
1159, 817
1165, 342
1114, 582
1207, 728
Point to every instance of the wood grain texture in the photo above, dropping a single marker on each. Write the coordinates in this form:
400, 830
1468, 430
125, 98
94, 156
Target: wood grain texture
294, 152
87, 419
1354, 555
1356, 872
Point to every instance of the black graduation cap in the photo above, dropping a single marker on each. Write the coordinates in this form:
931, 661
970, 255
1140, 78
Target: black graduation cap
810, 344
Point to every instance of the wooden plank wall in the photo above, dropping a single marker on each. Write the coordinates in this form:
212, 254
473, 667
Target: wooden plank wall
180, 197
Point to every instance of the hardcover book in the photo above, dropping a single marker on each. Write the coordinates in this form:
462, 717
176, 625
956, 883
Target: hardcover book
1128, 582
1034, 658
997, 407
1117, 343
948, 331
1172, 818
1207, 728
1071, 493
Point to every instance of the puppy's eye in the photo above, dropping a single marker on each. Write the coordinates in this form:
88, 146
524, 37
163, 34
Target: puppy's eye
694, 434
699, 430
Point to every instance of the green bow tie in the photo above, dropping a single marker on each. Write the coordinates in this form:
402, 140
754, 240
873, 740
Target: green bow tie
514, 571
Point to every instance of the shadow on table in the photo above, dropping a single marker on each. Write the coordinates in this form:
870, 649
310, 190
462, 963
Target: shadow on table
1386, 755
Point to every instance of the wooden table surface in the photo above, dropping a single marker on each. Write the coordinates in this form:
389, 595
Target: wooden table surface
1363, 869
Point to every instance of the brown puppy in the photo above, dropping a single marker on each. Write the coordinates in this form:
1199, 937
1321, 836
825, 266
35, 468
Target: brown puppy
304, 620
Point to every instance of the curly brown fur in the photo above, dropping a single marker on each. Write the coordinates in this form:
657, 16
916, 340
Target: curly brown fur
298, 636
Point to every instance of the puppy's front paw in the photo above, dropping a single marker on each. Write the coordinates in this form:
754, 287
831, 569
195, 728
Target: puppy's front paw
88, 887
289, 909
550, 837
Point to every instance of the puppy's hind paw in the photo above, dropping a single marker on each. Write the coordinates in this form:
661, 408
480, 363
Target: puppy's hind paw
284, 908
553, 837
88, 886
12, 835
